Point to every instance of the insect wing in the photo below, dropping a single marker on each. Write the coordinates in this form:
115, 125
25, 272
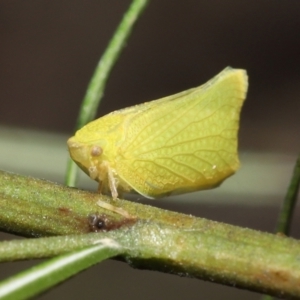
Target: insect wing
184, 142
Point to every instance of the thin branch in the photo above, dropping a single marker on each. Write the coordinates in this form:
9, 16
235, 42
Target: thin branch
287, 208
152, 238
289, 202
33, 281
97, 84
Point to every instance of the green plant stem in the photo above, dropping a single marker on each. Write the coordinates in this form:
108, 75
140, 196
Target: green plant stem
155, 239
289, 202
97, 84
35, 280
287, 208
187, 252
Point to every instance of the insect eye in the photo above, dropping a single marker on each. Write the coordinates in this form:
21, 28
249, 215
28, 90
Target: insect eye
96, 151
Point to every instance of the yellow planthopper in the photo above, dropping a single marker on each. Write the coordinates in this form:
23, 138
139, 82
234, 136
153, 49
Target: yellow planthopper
177, 144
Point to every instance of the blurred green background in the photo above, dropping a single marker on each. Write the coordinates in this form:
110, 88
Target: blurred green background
48, 53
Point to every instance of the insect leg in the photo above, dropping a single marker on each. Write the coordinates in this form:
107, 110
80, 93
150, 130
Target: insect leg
112, 183
100, 187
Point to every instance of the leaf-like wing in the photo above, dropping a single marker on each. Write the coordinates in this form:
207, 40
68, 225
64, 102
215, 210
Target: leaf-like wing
184, 142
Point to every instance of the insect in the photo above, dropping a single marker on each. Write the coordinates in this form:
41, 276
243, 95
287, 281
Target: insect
177, 144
